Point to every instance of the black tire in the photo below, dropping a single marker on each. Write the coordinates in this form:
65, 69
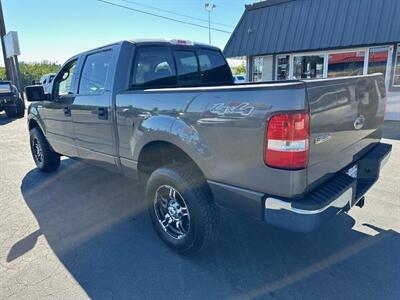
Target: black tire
45, 158
204, 214
18, 111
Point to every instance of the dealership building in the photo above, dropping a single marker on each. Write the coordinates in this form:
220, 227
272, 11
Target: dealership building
311, 39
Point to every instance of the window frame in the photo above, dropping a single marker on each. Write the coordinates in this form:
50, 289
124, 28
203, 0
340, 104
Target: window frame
56, 87
83, 67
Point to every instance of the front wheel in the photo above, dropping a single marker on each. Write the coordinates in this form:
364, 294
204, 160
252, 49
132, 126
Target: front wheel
45, 158
182, 209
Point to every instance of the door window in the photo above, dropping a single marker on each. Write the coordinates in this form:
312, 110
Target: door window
63, 83
308, 66
94, 73
154, 68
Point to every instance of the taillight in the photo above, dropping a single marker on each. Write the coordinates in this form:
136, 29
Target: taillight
286, 141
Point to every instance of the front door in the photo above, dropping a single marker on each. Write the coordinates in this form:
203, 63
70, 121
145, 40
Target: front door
92, 111
57, 112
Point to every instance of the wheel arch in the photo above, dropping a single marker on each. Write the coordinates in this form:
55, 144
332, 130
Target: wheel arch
157, 153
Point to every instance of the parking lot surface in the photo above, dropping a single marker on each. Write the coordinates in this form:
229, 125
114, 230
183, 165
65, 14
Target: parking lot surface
84, 233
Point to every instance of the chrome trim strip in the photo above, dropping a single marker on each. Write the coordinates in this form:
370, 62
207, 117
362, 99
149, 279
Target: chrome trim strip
276, 204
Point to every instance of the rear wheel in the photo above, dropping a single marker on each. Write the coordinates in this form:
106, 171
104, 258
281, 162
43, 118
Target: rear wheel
182, 209
45, 158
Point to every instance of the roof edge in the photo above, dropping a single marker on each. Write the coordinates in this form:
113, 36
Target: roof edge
266, 3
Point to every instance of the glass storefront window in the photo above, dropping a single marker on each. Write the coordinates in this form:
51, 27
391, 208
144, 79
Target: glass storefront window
396, 74
311, 66
346, 64
282, 67
257, 68
377, 60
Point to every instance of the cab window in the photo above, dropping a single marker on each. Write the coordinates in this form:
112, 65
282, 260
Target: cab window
188, 67
153, 68
94, 73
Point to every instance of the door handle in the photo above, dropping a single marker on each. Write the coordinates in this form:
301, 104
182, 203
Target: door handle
67, 111
102, 113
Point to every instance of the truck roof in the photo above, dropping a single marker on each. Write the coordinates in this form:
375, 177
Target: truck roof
164, 42
171, 42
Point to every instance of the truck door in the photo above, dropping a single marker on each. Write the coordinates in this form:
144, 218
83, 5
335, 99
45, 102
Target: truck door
57, 112
92, 109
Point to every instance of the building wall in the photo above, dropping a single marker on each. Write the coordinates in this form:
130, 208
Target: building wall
335, 63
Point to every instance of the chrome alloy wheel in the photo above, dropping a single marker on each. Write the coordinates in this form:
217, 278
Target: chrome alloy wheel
37, 150
172, 212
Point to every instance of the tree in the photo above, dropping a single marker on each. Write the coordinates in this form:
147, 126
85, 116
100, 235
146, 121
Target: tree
32, 71
241, 69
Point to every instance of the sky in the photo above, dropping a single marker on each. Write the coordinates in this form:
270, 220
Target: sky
55, 30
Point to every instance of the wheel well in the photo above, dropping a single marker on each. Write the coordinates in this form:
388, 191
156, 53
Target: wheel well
33, 124
158, 153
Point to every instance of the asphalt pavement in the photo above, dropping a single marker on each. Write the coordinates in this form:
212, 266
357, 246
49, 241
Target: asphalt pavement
84, 233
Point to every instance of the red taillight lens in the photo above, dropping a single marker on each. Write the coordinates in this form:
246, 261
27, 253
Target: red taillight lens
286, 141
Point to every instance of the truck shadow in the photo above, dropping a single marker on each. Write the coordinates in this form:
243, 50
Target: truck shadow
4, 119
97, 225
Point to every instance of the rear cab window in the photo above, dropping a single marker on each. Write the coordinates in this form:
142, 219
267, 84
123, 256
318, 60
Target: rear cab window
164, 66
154, 67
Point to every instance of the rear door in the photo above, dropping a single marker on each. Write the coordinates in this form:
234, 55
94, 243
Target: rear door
92, 109
346, 115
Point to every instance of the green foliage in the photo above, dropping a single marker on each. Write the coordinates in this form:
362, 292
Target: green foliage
239, 69
33, 71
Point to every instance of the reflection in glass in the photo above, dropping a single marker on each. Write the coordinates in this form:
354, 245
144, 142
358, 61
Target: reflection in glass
396, 76
377, 60
308, 66
282, 71
346, 64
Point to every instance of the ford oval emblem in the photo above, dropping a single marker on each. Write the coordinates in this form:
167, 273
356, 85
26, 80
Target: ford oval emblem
359, 122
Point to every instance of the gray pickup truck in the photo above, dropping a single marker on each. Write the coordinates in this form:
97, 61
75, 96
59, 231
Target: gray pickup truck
293, 154
10, 100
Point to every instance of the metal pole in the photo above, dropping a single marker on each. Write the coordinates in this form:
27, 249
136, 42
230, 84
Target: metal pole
209, 27
7, 62
18, 79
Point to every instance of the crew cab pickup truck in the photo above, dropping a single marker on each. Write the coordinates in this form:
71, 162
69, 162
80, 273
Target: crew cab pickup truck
293, 154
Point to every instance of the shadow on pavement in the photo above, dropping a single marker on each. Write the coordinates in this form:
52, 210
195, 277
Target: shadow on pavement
97, 225
391, 130
4, 119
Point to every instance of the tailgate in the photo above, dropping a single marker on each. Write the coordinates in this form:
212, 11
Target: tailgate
346, 115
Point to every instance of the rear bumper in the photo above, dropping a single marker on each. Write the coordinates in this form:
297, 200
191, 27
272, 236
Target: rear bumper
337, 195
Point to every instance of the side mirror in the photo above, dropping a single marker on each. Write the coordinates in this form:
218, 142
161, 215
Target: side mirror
35, 93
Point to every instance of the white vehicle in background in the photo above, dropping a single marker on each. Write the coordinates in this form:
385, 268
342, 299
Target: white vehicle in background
46, 80
239, 78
